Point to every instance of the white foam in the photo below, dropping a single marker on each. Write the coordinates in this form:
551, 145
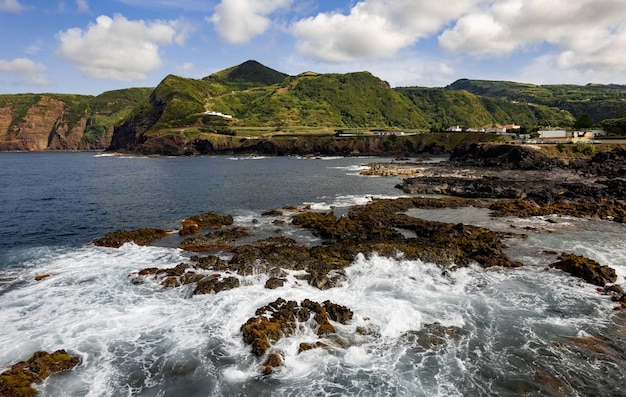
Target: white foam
346, 201
248, 158
126, 334
120, 156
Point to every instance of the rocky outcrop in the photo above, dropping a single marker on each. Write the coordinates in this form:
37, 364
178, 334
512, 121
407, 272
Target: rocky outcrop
586, 269
196, 223
215, 284
17, 381
219, 240
531, 183
281, 318
377, 228
503, 157
143, 236
380, 227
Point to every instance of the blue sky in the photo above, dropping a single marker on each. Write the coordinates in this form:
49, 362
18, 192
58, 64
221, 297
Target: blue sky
89, 46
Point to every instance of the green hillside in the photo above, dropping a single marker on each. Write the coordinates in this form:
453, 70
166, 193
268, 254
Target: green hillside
178, 105
597, 101
459, 107
353, 100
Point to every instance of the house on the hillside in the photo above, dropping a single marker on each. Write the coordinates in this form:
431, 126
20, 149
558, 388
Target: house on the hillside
218, 114
454, 128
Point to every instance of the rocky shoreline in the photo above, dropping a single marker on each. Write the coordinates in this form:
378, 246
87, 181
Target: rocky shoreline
525, 181
507, 179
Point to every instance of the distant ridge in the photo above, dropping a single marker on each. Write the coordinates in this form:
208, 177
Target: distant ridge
598, 101
247, 75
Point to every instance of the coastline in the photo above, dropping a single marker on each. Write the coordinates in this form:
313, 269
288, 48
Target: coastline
219, 259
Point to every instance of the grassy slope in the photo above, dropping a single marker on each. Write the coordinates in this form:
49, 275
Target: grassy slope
598, 101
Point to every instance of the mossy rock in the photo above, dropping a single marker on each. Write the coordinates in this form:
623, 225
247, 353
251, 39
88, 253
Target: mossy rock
196, 223
118, 238
281, 318
17, 381
586, 269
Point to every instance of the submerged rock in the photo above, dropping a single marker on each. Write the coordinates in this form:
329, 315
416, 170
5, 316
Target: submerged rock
586, 269
17, 381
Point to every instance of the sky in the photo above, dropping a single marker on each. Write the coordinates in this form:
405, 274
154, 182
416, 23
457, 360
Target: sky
89, 46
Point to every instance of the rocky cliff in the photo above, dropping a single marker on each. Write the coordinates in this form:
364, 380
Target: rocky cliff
34, 131
33, 122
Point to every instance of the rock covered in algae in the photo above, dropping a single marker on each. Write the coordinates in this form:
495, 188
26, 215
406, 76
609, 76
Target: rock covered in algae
280, 319
118, 238
17, 381
196, 223
586, 269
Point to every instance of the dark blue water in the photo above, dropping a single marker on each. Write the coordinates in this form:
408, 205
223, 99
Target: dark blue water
71, 198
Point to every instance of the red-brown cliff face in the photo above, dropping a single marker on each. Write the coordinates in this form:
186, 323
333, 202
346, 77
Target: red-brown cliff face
66, 137
35, 129
32, 122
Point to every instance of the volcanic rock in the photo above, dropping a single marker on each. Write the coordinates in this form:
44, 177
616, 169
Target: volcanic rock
16, 382
586, 269
140, 237
196, 223
214, 285
280, 318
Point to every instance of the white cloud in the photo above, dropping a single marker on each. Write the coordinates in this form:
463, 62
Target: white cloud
586, 34
82, 5
374, 28
11, 6
28, 72
117, 48
239, 21
186, 67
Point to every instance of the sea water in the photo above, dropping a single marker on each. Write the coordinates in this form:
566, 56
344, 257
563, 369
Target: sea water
512, 329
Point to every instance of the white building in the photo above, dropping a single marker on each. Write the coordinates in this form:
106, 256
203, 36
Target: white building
454, 128
549, 134
211, 113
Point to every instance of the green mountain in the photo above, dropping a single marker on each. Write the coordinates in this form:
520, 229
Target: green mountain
190, 109
353, 100
598, 101
248, 75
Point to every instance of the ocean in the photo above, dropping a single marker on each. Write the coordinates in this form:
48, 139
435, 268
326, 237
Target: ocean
530, 331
